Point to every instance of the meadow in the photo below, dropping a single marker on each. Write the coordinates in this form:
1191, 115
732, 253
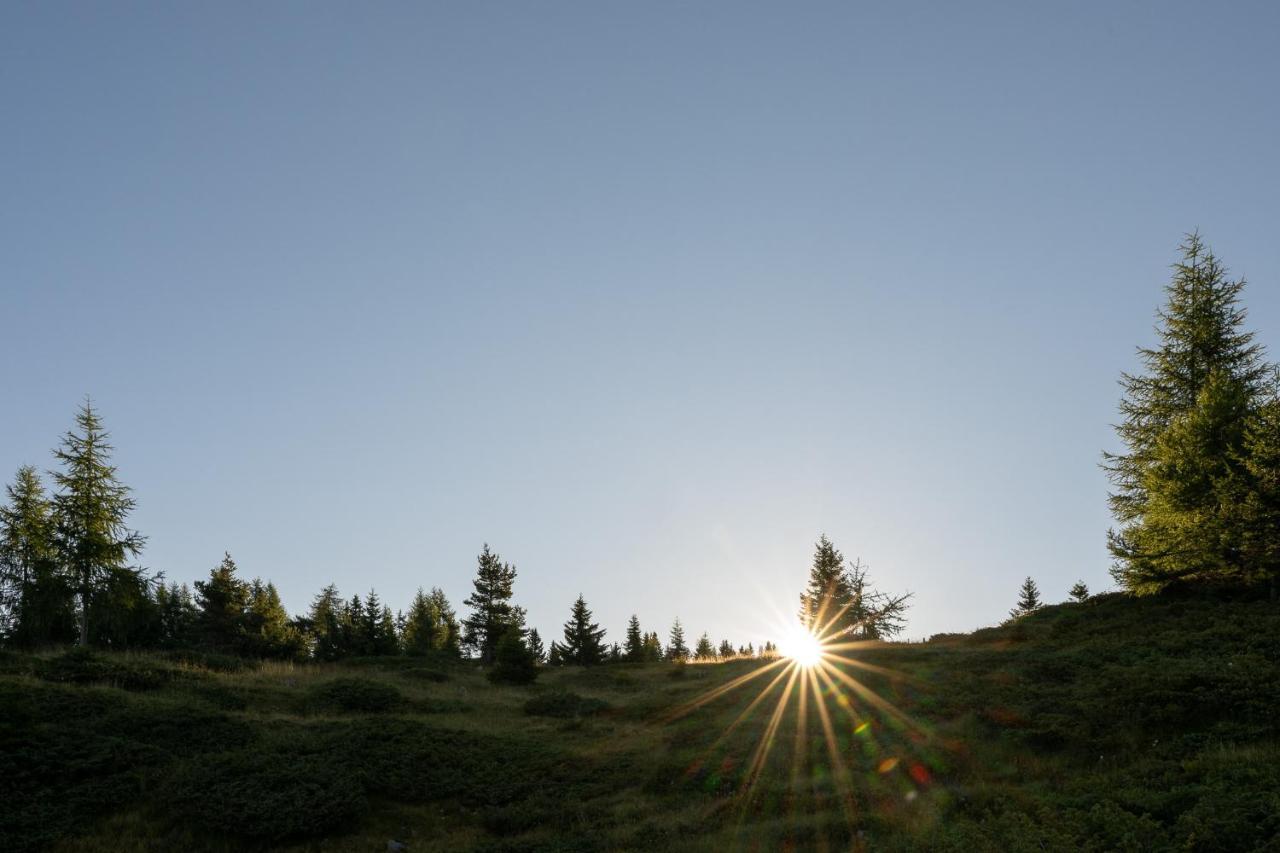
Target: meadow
1113, 724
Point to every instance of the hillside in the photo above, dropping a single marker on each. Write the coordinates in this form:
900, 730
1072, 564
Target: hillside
1117, 724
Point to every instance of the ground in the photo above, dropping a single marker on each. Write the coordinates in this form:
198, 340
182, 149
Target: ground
1117, 724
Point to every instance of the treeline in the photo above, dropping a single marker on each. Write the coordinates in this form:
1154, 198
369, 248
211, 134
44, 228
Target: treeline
66, 575
1197, 490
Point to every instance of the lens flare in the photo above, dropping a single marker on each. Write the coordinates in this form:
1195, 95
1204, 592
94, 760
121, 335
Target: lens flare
802, 647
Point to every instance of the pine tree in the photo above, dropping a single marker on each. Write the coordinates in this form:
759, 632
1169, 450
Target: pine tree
704, 649
448, 636
726, 649
355, 635
535, 646
676, 648
270, 631
1028, 599
37, 602
1079, 592
615, 654
418, 635
1183, 425
492, 611
826, 601
554, 655
91, 507
582, 638
326, 616
222, 601
652, 648
1255, 492
633, 650
177, 615
514, 663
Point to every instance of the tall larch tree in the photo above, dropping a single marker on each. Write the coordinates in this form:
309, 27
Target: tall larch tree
1183, 426
492, 613
91, 507
38, 601
583, 639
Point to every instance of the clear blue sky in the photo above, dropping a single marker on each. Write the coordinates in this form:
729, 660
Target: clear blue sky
645, 295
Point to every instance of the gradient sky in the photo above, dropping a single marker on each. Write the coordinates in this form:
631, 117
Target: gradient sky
645, 295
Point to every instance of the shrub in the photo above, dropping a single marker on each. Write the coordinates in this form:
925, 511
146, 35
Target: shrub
267, 796
360, 695
515, 664
81, 666
426, 673
562, 703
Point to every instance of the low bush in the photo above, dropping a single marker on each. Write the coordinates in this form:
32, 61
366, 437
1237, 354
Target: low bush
426, 673
267, 795
562, 703
358, 695
80, 666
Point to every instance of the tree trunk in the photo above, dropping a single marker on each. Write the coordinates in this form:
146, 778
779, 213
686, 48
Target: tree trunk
84, 617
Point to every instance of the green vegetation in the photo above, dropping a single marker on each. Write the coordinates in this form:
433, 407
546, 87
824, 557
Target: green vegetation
1112, 724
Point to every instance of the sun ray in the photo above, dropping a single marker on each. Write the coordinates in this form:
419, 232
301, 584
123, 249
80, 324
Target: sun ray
839, 772
716, 692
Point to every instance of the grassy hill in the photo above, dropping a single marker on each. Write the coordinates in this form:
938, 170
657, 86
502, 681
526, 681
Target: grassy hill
1117, 724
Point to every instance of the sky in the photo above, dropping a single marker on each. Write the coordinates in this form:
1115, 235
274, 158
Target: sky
647, 296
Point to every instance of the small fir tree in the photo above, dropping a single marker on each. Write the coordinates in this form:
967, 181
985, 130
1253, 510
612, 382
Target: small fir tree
634, 649
536, 648
726, 649
582, 638
676, 648
1079, 592
1028, 599
705, 650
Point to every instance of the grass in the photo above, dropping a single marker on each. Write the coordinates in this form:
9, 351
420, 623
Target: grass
1117, 724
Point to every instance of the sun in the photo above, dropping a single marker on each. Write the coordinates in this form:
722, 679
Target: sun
802, 647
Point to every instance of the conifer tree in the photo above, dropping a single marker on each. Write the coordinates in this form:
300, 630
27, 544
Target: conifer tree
177, 614
1183, 426
37, 601
492, 611
355, 636
513, 661
1255, 492
726, 649
554, 655
615, 654
535, 646
326, 616
652, 648
1079, 592
704, 649
91, 508
448, 636
676, 648
222, 601
418, 635
1028, 599
270, 631
826, 601
582, 638
634, 649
